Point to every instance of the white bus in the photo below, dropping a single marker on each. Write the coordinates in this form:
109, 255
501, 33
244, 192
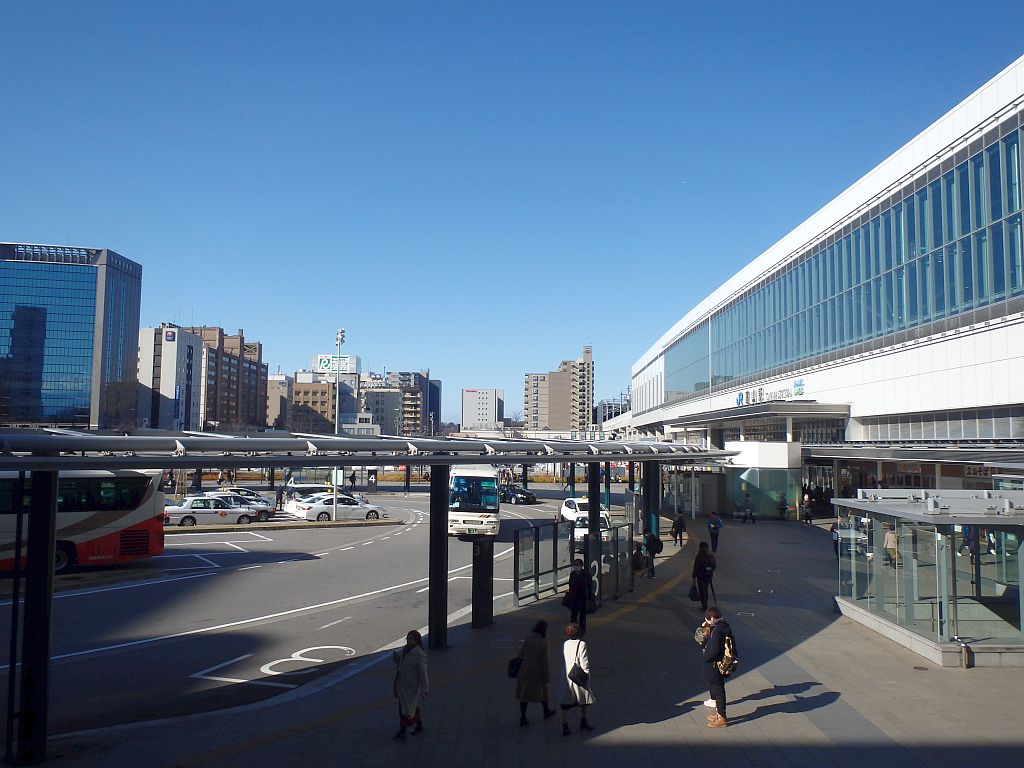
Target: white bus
473, 501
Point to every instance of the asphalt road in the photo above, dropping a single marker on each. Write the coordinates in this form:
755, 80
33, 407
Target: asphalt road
237, 617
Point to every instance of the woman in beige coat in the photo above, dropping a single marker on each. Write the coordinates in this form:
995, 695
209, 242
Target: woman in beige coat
535, 672
411, 683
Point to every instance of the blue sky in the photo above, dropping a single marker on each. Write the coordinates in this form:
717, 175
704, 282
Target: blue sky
475, 188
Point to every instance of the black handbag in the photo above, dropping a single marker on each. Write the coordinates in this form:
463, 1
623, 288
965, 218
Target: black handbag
576, 674
694, 592
514, 665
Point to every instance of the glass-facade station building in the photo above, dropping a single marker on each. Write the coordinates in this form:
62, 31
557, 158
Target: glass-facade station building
879, 344
69, 334
937, 571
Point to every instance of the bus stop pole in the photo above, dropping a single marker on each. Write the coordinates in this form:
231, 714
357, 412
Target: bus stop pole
437, 570
36, 638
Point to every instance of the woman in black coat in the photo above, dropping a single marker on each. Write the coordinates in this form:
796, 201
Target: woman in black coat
703, 572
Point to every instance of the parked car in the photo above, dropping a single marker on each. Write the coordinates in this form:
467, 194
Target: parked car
261, 510
514, 494
322, 509
205, 510
249, 494
573, 508
582, 527
292, 505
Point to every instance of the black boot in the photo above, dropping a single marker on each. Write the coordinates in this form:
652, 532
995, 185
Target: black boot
400, 735
565, 729
522, 714
548, 712
584, 725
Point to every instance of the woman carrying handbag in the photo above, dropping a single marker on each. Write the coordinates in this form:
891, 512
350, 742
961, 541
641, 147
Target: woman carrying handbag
576, 679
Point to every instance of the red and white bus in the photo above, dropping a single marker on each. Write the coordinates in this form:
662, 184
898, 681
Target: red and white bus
103, 517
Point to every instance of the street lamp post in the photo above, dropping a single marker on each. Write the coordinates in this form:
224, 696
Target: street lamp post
340, 338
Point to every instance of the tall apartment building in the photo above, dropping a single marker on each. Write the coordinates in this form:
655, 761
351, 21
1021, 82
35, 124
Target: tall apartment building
561, 400
419, 399
279, 396
170, 378
69, 331
234, 381
482, 408
312, 406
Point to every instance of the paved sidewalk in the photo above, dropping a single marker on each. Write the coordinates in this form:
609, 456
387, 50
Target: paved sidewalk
813, 689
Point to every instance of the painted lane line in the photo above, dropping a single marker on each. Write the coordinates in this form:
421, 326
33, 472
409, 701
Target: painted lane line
346, 549
418, 591
232, 624
332, 623
86, 592
250, 567
292, 560
322, 554
367, 543
232, 544
205, 560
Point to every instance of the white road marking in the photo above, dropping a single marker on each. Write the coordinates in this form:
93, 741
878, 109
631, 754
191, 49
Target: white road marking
418, 591
84, 592
232, 544
367, 543
322, 554
292, 560
332, 623
249, 567
346, 549
201, 675
205, 560
268, 669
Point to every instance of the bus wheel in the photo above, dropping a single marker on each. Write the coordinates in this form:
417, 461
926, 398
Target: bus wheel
244, 519
63, 557
188, 520
373, 515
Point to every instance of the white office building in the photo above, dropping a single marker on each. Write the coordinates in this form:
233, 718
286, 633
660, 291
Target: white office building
170, 378
482, 408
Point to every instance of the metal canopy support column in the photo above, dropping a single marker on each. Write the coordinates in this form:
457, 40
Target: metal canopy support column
608, 485
632, 477
572, 480
526, 476
437, 571
35, 642
651, 481
408, 478
593, 540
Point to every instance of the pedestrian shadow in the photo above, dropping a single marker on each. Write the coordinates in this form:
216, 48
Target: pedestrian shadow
776, 690
797, 706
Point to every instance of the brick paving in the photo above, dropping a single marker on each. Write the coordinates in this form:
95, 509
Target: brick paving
814, 689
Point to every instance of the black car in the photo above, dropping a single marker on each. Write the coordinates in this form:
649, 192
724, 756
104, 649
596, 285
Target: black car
513, 494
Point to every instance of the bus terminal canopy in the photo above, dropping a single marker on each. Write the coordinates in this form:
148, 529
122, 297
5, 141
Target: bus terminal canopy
65, 450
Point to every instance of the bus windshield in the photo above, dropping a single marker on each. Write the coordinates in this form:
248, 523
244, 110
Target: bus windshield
473, 493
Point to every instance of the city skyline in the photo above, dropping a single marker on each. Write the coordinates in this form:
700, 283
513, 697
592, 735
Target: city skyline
431, 177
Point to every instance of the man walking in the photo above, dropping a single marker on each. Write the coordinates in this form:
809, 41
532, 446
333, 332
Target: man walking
714, 526
716, 630
678, 529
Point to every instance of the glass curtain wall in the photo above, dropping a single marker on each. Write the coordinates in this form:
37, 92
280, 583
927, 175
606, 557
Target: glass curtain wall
936, 581
947, 247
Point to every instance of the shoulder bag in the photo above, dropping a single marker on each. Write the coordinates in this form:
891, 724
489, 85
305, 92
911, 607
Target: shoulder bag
576, 674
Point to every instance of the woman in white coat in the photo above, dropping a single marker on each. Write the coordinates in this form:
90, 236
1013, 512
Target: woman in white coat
574, 651
411, 683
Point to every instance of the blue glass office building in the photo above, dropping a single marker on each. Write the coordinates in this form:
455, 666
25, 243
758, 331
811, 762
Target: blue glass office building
69, 328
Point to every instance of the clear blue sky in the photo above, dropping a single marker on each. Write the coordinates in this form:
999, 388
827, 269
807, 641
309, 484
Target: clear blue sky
475, 188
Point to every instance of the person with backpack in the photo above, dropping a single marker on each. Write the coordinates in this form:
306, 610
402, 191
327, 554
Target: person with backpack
703, 573
720, 660
714, 528
654, 546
